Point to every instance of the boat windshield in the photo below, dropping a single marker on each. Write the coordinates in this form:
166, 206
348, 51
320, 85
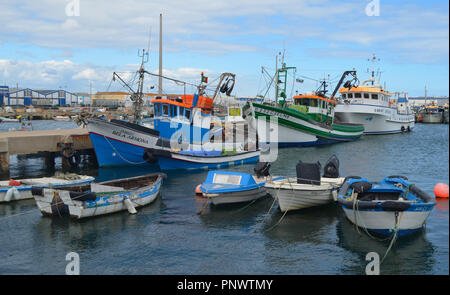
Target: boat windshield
227, 179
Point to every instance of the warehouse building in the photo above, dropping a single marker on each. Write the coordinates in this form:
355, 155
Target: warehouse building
28, 97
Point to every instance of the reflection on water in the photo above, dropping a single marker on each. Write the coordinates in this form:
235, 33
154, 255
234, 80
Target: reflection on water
401, 259
169, 237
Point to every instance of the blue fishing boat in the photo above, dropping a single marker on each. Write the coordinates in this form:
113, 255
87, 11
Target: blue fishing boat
227, 187
393, 205
182, 125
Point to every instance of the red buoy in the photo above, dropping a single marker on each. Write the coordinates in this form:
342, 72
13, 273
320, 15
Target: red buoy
198, 191
441, 190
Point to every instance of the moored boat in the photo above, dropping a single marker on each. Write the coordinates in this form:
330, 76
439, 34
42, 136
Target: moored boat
20, 189
227, 187
308, 189
193, 160
391, 206
308, 121
102, 198
432, 114
371, 105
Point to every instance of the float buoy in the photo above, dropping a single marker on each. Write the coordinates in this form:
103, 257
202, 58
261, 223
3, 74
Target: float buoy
198, 191
441, 190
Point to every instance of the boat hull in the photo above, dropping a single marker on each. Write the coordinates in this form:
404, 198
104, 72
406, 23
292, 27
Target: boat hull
295, 129
432, 117
376, 119
23, 192
120, 145
237, 197
174, 161
293, 196
383, 222
79, 209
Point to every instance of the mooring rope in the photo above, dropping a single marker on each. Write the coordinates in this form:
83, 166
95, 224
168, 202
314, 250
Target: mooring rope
130, 162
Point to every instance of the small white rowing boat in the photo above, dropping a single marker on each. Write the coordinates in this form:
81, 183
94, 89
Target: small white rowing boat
308, 189
102, 198
13, 190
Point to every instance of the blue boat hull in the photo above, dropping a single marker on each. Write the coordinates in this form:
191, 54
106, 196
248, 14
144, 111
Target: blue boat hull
174, 164
112, 152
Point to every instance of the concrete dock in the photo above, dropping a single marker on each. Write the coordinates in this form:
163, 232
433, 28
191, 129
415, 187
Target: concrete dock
70, 143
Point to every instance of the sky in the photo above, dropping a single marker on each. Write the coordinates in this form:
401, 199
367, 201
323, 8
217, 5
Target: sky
78, 44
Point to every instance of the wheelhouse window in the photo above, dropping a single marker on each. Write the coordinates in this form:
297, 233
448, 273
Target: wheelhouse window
187, 114
165, 110
350, 95
358, 95
314, 103
374, 96
173, 110
366, 95
344, 95
157, 107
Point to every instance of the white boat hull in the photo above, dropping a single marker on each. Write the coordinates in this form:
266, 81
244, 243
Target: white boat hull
376, 119
23, 192
293, 196
237, 197
382, 220
79, 209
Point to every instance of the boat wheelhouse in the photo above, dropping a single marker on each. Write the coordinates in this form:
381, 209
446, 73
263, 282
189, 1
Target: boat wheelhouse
184, 119
372, 106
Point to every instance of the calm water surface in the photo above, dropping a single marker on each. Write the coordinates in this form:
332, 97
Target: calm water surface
169, 237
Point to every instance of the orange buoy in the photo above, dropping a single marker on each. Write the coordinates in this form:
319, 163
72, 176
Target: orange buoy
441, 190
198, 191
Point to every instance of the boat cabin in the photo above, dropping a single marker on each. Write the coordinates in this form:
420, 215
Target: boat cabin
318, 107
187, 118
366, 94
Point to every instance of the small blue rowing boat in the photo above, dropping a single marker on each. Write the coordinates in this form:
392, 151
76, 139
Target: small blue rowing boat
393, 204
227, 187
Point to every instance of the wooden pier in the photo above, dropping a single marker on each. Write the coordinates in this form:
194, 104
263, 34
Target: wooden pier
69, 143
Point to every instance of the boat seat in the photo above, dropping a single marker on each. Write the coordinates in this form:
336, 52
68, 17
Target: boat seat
100, 188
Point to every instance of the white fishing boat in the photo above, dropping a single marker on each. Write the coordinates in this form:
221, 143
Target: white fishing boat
13, 190
372, 106
102, 198
308, 189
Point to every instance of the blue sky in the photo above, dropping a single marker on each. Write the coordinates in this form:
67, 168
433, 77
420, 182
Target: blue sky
43, 45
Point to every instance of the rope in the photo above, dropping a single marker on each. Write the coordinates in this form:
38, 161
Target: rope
394, 238
270, 228
130, 162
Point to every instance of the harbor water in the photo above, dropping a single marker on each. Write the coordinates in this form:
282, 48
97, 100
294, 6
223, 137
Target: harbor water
170, 237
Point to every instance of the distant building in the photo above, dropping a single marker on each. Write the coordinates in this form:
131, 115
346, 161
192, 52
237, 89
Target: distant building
4, 95
83, 98
420, 101
28, 97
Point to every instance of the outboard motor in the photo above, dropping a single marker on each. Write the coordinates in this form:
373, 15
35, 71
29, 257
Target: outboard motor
308, 173
262, 169
331, 169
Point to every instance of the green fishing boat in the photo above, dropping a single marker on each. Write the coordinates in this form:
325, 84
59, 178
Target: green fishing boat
308, 120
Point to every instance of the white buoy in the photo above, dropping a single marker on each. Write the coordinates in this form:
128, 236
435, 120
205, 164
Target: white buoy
130, 206
334, 193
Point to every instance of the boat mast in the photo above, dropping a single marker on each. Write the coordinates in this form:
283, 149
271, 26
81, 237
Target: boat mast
160, 56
